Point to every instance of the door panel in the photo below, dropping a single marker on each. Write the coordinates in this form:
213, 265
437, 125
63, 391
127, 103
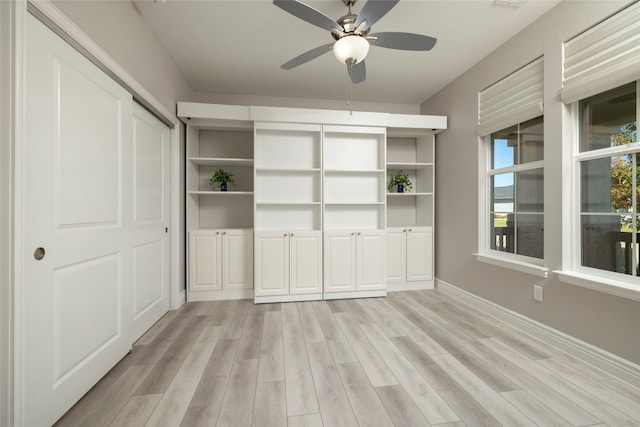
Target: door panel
88, 148
396, 252
98, 284
272, 264
237, 258
306, 261
148, 279
150, 214
419, 254
339, 262
370, 261
205, 265
76, 317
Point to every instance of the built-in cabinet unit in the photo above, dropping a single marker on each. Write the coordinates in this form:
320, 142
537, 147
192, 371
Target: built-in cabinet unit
219, 223
354, 211
310, 216
409, 236
220, 260
288, 211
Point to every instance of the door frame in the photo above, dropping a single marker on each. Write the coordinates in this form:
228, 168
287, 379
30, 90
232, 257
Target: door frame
13, 17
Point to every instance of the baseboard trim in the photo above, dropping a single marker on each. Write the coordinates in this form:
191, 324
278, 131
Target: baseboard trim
410, 286
287, 298
608, 362
219, 295
354, 294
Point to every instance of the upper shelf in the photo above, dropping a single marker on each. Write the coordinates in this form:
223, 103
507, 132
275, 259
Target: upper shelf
220, 161
394, 165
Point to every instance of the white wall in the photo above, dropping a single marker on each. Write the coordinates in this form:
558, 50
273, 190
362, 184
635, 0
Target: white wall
606, 321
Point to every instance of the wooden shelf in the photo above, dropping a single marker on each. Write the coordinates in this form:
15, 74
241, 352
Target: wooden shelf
407, 194
220, 193
353, 203
220, 161
286, 170
287, 203
353, 171
393, 165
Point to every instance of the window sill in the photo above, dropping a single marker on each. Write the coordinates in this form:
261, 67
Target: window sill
523, 267
601, 284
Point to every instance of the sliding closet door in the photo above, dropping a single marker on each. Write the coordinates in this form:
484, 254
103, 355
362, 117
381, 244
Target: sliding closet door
78, 244
150, 220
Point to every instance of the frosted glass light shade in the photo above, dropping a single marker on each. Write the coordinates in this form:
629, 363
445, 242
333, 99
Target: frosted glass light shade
351, 49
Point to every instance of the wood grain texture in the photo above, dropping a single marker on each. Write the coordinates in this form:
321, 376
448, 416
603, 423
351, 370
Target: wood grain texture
415, 358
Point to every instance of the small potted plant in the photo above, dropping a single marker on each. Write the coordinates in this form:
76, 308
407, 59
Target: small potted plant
222, 178
401, 181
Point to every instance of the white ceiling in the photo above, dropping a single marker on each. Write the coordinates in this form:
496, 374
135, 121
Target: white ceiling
237, 46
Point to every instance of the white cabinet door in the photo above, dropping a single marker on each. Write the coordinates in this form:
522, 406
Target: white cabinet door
77, 264
205, 260
396, 251
305, 262
419, 254
339, 262
370, 261
271, 264
237, 259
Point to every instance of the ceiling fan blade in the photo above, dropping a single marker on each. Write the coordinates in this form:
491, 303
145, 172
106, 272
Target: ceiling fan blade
403, 41
307, 13
373, 10
307, 56
357, 72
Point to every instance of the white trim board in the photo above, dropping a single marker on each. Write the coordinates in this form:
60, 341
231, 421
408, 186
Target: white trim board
608, 362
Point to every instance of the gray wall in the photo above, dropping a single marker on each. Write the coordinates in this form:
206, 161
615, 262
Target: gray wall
606, 321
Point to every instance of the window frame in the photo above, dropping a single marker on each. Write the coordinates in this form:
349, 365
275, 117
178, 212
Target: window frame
573, 272
514, 261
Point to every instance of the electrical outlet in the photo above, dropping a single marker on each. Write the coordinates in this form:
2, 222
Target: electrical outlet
537, 293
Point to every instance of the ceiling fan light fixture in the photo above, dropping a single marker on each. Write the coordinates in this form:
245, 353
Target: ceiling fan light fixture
351, 49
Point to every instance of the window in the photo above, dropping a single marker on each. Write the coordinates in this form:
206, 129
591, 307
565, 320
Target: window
516, 188
511, 171
609, 192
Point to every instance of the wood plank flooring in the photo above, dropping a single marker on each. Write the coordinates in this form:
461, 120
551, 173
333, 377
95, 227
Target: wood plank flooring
411, 359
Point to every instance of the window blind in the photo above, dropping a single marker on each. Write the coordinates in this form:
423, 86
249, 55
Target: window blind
512, 100
604, 57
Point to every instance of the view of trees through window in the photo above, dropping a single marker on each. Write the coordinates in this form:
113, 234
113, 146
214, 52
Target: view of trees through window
610, 185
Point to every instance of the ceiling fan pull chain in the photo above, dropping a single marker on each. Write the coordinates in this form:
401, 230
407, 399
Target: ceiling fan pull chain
349, 89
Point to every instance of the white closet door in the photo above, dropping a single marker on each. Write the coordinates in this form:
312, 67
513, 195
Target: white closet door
150, 220
77, 204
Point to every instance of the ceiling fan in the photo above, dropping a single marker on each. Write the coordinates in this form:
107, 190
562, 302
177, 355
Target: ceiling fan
352, 34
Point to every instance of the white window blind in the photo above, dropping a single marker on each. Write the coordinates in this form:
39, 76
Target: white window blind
604, 57
514, 99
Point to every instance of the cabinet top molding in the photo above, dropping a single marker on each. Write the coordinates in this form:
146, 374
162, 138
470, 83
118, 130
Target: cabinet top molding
221, 116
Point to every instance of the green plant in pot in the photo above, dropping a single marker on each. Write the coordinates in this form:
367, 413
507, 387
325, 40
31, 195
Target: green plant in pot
401, 181
222, 178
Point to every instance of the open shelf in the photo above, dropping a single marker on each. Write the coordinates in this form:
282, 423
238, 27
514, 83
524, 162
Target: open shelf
220, 161
407, 194
398, 165
220, 193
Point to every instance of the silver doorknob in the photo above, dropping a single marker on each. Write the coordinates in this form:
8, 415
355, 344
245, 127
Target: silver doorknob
38, 254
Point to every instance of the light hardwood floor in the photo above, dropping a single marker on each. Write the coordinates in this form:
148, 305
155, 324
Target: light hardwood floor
410, 359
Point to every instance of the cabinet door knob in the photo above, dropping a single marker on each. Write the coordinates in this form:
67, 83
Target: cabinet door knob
217, 232
38, 254
409, 230
291, 234
353, 234
285, 234
166, 230
404, 231
224, 232
359, 233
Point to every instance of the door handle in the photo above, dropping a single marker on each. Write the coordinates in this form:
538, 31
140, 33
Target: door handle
39, 253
